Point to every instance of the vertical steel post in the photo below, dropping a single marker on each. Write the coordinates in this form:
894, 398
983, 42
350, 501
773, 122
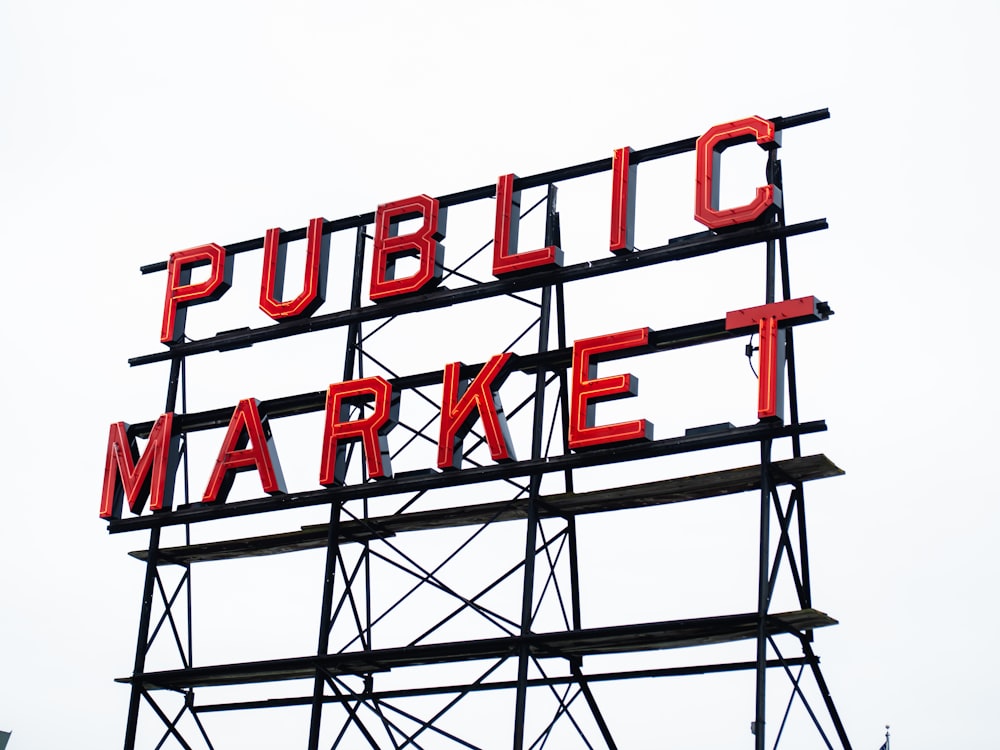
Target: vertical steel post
141, 640
763, 597
354, 329
574, 560
188, 568
352, 345
764, 561
325, 626
145, 614
805, 591
534, 487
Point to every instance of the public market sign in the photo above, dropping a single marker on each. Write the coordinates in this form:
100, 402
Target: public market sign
365, 410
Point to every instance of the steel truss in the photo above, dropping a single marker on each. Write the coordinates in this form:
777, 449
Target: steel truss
537, 651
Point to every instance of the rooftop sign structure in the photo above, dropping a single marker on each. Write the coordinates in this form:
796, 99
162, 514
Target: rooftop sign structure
511, 381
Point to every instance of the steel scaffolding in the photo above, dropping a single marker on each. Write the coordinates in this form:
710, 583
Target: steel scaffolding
371, 685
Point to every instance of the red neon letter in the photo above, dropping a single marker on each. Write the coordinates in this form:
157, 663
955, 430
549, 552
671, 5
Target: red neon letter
245, 427
506, 259
181, 293
771, 381
139, 478
372, 430
709, 149
389, 247
273, 279
458, 401
622, 202
588, 390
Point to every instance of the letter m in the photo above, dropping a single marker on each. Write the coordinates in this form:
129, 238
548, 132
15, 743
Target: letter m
134, 478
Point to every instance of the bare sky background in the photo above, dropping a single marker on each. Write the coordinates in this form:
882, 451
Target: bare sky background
130, 130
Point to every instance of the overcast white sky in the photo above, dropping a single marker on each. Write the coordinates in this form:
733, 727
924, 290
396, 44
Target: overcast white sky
129, 130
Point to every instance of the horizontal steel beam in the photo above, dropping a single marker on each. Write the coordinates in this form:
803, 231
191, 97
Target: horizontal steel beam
381, 695
696, 487
566, 644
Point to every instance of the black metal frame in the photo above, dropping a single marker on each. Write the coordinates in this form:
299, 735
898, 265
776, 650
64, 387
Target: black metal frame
343, 674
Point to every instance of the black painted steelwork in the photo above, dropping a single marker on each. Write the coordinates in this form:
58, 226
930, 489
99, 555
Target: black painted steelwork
342, 681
